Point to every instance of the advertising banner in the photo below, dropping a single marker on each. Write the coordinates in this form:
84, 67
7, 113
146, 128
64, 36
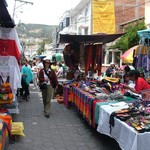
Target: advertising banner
103, 16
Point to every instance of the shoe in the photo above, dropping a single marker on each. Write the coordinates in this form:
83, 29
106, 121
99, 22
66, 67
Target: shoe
26, 99
47, 116
22, 97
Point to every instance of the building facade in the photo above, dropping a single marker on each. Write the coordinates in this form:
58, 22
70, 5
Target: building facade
80, 19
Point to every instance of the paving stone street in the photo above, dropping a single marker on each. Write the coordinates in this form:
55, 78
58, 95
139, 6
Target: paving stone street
64, 130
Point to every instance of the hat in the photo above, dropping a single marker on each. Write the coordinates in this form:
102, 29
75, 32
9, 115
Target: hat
112, 63
141, 70
46, 58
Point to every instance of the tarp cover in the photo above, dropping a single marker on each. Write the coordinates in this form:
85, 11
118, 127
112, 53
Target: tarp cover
103, 38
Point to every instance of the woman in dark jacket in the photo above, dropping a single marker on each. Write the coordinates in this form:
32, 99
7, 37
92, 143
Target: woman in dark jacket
48, 82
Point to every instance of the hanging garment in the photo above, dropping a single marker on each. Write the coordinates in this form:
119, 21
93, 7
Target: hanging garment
82, 56
88, 58
9, 48
99, 59
94, 58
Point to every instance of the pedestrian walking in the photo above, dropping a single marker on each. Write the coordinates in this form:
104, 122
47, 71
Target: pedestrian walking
27, 77
48, 82
35, 72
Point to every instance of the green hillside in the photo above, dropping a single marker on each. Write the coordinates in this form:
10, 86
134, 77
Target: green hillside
35, 30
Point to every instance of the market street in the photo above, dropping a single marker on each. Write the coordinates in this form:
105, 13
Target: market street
64, 130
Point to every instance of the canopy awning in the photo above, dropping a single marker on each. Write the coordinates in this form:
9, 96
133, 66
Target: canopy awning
5, 18
144, 33
103, 38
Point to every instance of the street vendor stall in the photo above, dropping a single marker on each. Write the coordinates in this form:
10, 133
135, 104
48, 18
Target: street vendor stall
124, 131
85, 50
142, 53
5, 128
10, 51
10, 79
98, 101
10, 74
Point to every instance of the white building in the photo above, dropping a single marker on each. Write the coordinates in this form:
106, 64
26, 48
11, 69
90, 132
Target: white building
78, 21
147, 13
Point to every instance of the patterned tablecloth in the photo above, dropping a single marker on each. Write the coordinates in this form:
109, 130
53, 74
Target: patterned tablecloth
126, 136
5, 128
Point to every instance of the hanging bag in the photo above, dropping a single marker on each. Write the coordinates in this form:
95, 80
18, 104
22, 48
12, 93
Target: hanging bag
43, 86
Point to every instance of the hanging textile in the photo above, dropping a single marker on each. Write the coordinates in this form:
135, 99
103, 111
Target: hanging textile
9, 48
142, 58
82, 56
88, 58
71, 54
11, 34
9, 67
67, 56
94, 58
99, 59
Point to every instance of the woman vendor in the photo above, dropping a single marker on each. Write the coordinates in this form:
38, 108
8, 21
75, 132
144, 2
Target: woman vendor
140, 83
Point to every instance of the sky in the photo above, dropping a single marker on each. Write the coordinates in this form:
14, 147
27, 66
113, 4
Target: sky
41, 12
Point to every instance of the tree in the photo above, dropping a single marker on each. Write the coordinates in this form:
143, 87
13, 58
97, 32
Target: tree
130, 38
41, 48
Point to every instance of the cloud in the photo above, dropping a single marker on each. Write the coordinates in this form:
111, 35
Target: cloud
42, 11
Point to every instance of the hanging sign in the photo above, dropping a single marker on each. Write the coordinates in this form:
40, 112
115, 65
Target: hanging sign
103, 20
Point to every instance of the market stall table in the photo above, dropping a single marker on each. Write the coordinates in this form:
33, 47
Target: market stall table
126, 136
5, 128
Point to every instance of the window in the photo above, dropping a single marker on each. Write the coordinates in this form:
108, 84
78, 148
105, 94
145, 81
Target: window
61, 26
86, 31
66, 22
86, 12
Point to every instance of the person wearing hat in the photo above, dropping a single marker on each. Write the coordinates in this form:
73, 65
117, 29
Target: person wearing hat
48, 82
110, 70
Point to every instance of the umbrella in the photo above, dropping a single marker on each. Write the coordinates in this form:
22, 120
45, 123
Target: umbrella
131, 67
127, 57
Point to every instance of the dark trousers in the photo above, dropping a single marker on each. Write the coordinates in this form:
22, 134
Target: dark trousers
24, 91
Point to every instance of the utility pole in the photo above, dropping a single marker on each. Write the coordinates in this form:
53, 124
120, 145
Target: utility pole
21, 1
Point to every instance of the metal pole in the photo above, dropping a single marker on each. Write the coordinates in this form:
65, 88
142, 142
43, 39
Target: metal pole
22, 1
14, 9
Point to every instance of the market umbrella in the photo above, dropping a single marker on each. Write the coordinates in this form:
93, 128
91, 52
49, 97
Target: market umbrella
127, 57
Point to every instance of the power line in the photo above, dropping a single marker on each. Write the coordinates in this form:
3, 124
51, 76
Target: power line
23, 2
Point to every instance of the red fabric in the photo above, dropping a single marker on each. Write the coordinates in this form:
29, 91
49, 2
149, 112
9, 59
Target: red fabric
88, 59
94, 58
141, 84
99, 59
9, 48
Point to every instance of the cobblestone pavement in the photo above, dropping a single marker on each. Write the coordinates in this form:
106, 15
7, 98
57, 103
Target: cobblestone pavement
64, 130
